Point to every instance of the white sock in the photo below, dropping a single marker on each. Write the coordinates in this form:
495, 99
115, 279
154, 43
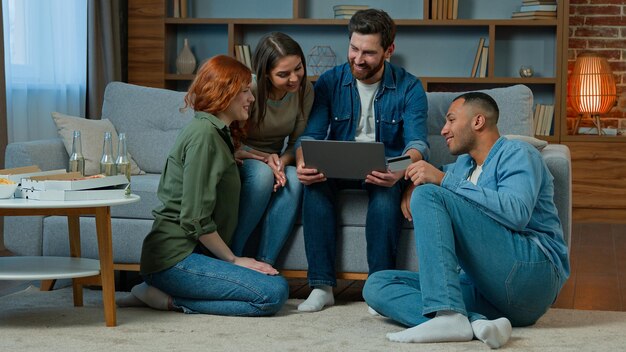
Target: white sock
320, 297
129, 300
372, 311
446, 326
494, 333
151, 296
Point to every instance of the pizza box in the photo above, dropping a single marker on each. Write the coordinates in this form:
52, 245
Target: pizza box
70, 182
90, 194
17, 174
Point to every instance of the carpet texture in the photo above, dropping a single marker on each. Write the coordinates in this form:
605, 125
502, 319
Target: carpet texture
31, 320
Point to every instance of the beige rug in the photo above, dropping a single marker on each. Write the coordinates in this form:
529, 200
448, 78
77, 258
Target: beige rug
31, 320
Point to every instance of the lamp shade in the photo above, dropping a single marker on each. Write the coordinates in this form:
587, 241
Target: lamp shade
591, 86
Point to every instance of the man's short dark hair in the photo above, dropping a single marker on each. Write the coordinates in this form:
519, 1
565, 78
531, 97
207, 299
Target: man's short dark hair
484, 102
374, 21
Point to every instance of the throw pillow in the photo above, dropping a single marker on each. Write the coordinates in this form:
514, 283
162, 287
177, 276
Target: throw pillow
537, 143
92, 137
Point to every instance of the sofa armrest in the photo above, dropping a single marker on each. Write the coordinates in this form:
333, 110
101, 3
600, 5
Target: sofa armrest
48, 154
558, 159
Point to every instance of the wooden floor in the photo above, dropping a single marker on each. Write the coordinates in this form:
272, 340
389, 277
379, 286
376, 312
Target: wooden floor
597, 282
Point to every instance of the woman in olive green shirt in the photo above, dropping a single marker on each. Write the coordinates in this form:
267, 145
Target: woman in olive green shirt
185, 261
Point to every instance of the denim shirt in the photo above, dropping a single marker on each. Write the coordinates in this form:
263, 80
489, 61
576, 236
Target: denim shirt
515, 189
400, 109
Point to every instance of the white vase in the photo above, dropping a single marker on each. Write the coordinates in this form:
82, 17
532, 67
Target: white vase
185, 62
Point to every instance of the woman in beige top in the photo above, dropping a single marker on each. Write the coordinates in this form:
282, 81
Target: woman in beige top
270, 190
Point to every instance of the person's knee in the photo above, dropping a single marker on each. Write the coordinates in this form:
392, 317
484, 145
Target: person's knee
276, 295
373, 288
258, 176
424, 195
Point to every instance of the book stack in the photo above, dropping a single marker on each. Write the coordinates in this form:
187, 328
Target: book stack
346, 11
536, 10
444, 9
242, 54
479, 68
542, 119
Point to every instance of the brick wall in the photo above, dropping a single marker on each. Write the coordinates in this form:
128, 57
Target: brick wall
600, 26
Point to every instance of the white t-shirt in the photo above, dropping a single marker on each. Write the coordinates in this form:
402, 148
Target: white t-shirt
473, 177
366, 129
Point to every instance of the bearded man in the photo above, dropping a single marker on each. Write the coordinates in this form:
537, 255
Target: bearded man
367, 99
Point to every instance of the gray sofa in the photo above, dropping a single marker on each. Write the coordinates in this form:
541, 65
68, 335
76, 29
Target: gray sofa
151, 119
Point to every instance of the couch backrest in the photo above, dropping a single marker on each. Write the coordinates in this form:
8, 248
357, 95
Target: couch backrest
151, 118
516, 116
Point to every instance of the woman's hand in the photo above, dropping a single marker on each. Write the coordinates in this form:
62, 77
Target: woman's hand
278, 167
255, 265
242, 153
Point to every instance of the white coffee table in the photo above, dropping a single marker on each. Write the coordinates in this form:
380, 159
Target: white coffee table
82, 271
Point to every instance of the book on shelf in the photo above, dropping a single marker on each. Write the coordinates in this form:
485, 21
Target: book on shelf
455, 9
538, 2
543, 119
176, 10
539, 112
479, 51
534, 17
242, 54
184, 8
528, 8
548, 117
344, 13
444, 9
536, 119
548, 14
484, 58
246, 56
439, 8
350, 7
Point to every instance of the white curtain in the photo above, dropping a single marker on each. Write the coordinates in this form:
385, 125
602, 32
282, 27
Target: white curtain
45, 50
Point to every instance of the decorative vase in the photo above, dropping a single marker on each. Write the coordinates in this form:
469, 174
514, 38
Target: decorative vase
185, 62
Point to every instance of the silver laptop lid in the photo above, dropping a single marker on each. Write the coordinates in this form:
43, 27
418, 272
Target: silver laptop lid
344, 159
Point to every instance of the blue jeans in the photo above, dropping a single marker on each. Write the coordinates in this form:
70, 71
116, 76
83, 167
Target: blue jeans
258, 204
202, 284
468, 263
319, 220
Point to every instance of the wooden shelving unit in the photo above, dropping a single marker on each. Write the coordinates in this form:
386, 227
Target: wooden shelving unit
599, 180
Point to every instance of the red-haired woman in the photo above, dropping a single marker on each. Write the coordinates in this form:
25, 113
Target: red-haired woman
185, 261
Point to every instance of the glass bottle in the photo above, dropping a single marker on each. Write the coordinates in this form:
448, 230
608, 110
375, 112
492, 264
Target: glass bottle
77, 160
122, 163
107, 165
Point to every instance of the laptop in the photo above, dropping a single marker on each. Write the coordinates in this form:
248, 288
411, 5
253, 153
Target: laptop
344, 159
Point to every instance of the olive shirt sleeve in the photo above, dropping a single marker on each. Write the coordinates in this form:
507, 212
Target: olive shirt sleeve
200, 178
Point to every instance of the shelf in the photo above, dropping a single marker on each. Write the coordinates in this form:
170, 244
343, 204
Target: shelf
439, 52
47, 268
344, 22
489, 80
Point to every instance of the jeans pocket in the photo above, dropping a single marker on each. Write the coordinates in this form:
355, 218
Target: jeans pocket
532, 286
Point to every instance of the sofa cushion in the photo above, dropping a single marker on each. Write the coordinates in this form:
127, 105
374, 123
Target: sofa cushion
151, 118
516, 113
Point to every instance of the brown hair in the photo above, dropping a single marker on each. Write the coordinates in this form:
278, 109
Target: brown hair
374, 21
271, 48
217, 83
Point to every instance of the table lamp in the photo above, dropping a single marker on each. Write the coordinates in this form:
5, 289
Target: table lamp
591, 89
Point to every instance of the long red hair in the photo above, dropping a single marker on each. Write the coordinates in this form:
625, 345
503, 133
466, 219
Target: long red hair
217, 83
